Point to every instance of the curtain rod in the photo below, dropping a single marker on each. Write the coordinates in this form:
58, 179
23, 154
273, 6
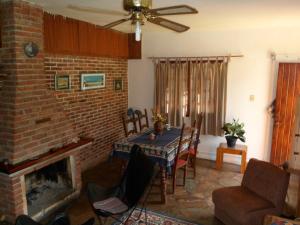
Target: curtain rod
200, 57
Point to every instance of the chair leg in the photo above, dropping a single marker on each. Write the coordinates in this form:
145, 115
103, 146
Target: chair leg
174, 183
184, 175
128, 217
194, 166
146, 219
102, 222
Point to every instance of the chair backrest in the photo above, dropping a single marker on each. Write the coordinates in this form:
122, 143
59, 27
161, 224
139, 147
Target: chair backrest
139, 172
185, 141
129, 124
130, 112
198, 123
187, 121
140, 117
267, 181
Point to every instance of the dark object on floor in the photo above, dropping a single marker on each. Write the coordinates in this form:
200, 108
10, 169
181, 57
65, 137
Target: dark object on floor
114, 202
263, 191
60, 219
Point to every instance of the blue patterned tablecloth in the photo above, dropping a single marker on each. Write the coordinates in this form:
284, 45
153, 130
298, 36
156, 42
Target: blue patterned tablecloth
162, 150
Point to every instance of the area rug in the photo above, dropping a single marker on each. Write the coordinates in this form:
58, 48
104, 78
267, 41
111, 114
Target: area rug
153, 218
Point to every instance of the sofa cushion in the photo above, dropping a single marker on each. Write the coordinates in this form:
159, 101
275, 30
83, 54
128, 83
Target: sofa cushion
267, 181
239, 203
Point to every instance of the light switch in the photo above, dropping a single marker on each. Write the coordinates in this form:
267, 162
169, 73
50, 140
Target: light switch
251, 98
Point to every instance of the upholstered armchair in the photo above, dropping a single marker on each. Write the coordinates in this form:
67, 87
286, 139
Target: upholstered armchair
263, 191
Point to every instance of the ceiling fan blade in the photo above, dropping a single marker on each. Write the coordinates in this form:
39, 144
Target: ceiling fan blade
168, 24
173, 10
94, 10
115, 23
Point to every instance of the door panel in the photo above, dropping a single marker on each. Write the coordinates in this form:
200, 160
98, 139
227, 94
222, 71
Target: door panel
295, 153
288, 84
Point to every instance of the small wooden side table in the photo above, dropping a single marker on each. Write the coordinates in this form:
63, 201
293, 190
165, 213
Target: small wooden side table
236, 150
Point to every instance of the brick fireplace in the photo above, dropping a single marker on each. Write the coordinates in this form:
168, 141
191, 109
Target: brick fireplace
35, 131
19, 195
40, 126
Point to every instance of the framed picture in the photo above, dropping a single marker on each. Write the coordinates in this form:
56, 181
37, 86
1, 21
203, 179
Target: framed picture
118, 84
62, 82
92, 81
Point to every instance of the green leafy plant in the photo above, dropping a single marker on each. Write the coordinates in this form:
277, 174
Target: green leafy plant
235, 129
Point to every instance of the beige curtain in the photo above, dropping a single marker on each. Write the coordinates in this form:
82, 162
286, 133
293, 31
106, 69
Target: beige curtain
171, 89
208, 92
188, 87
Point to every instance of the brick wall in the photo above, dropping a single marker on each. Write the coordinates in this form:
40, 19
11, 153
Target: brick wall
34, 117
11, 203
28, 96
94, 113
25, 100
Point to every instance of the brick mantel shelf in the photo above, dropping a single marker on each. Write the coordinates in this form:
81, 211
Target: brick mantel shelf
46, 158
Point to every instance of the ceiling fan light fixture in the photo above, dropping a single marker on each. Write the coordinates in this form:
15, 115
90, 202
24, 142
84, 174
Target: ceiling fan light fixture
137, 3
129, 5
141, 10
138, 30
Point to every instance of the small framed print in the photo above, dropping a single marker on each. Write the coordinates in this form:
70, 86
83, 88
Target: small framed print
92, 81
118, 85
62, 82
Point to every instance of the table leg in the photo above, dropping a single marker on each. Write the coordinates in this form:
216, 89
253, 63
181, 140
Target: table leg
163, 185
243, 163
219, 159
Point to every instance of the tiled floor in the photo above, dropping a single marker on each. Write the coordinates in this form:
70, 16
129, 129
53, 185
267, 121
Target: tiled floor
192, 202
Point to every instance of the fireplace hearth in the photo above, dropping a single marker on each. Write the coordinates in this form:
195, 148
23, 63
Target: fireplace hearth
40, 186
47, 186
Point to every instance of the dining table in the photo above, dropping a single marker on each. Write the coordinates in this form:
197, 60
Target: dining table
162, 150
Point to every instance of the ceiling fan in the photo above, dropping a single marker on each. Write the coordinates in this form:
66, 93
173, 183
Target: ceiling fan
140, 11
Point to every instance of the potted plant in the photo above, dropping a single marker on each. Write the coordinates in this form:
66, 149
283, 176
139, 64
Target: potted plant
234, 131
159, 122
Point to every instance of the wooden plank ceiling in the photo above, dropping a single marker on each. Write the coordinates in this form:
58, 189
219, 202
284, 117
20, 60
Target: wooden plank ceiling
70, 36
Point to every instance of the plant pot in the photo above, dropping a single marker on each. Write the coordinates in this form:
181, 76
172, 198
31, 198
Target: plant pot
158, 127
231, 141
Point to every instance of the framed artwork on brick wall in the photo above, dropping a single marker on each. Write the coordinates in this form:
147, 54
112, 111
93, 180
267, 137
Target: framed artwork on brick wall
118, 85
62, 82
92, 81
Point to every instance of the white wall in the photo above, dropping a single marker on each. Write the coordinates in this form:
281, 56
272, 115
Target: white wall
250, 75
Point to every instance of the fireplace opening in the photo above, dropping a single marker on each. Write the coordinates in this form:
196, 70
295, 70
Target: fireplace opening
48, 186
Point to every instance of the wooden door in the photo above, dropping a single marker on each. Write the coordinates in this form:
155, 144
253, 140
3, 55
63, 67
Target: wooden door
288, 89
294, 161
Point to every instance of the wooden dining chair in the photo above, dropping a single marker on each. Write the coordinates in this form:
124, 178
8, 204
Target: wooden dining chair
194, 147
142, 117
182, 154
129, 124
